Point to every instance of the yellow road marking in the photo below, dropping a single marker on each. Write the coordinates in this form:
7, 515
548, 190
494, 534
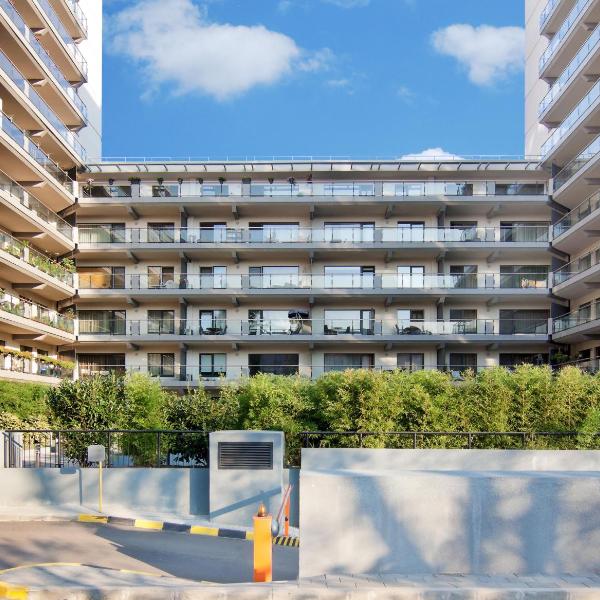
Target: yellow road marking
13, 592
92, 519
142, 524
200, 530
134, 572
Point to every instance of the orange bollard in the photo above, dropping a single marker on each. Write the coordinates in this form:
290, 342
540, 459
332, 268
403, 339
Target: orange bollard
263, 546
286, 527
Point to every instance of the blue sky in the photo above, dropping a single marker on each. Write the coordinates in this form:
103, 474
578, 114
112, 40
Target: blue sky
312, 77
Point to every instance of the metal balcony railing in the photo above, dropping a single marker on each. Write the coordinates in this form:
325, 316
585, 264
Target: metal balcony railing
295, 281
99, 235
310, 327
577, 164
547, 11
575, 267
32, 366
35, 312
45, 58
586, 208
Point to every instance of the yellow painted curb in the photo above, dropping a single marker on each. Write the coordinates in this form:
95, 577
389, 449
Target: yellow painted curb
92, 519
250, 535
141, 524
13, 592
200, 530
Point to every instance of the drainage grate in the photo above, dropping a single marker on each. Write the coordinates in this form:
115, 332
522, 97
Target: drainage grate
246, 455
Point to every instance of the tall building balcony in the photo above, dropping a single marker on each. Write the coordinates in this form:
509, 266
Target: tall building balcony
568, 38
574, 232
579, 277
24, 212
579, 325
553, 15
295, 284
73, 17
23, 160
25, 366
32, 321
34, 62
40, 15
26, 267
573, 84
32, 113
312, 331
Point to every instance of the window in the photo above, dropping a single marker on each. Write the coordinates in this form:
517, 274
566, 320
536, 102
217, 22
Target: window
349, 322
210, 233
520, 189
277, 364
161, 233
161, 365
523, 231
411, 231
464, 276
213, 277
101, 233
213, 365
341, 362
465, 321
100, 364
458, 189
523, 276
274, 232
410, 361
349, 277
411, 276
102, 322
513, 360
102, 278
523, 321
167, 190
584, 312
161, 277
161, 322
410, 321
213, 322
460, 362
274, 277
464, 231
584, 262
267, 322
349, 232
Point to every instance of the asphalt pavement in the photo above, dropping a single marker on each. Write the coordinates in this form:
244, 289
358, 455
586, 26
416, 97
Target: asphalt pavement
185, 556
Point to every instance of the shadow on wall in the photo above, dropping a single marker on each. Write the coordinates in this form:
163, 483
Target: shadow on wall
451, 522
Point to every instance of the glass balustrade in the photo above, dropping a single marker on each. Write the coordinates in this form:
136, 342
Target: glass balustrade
586, 208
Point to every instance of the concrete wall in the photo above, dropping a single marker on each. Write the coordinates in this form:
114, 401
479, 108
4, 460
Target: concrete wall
435, 511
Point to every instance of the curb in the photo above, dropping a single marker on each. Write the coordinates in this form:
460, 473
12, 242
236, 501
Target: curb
238, 534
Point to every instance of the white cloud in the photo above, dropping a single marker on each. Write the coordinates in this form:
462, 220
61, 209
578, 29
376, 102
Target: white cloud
431, 154
175, 43
488, 53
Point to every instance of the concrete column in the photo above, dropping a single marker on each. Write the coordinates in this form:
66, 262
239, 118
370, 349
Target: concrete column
135, 188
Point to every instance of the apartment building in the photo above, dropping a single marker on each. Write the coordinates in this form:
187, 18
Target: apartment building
200, 272
563, 127
44, 78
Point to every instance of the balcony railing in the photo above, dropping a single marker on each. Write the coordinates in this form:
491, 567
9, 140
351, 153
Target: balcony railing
38, 49
589, 47
40, 157
571, 122
79, 15
295, 281
100, 235
310, 327
17, 78
586, 208
547, 11
578, 163
35, 312
576, 318
32, 366
34, 258
565, 29
64, 35
322, 189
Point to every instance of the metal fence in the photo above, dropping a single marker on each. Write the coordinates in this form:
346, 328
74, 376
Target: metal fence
468, 440
33, 448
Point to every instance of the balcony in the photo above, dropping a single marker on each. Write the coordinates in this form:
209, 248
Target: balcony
40, 116
553, 14
568, 38
207, 241
578, 277
25, 317
23, 160
24, 265
574, 179
577, 326
583, 218
24, 366
306, 285
572, 84
320, 331
73, 17
36, 63
26, 213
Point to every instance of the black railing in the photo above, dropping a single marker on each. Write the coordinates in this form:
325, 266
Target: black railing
468, 440
33, 448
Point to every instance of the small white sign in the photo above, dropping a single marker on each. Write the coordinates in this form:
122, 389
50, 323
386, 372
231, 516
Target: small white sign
96, 453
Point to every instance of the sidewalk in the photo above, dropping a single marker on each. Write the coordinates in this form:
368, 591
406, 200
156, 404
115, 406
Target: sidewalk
54, 583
